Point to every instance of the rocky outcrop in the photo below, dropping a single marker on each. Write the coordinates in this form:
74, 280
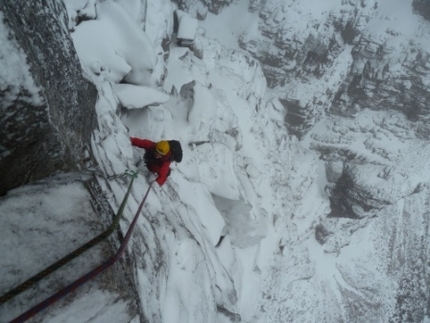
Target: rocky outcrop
287, 54
372, 160
386, 71
199, 8
375, 82
48, 116
42, 234
383, 74
422, 7
358, 94
300, 117
410, 255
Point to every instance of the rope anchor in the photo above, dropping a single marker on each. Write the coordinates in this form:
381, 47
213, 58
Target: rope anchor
127, 172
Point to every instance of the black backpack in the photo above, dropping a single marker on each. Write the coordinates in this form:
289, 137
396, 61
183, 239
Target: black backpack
176, 149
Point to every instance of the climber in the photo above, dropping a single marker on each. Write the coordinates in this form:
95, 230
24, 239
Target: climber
158, 157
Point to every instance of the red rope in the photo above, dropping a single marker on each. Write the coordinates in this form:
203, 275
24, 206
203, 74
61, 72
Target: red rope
90, 275
74, 254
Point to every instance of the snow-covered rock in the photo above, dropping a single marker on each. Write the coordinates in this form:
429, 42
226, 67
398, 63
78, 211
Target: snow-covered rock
303, 192
187, 28
42, 223
135, 96
47, 113
112, 57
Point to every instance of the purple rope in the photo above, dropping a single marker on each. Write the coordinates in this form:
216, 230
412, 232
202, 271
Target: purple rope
90, 275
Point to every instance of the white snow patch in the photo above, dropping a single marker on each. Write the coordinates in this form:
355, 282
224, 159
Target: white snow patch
227, 26
135, 96
113, 47
187, 26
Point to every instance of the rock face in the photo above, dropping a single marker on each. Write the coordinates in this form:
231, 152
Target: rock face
48, 113
354, 82
422, 7
375, 82
294, 51
33, 226
356, 98
384, 71
287, 54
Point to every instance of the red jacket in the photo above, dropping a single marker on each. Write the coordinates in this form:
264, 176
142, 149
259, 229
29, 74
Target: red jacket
161, 166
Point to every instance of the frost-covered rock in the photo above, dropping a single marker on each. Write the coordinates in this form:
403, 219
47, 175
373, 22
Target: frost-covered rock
378, 160
377, 82
47, 105
64, 211
422, 7
294, 51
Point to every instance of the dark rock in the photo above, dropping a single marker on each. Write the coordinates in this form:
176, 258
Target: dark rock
349, 32
233, 317
52, 134
215, 6
363, 190
346, 197
299, 118
334, 233
198, 8
322, 234
422, 7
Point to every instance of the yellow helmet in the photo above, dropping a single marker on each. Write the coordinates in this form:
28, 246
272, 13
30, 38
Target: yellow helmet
162, 147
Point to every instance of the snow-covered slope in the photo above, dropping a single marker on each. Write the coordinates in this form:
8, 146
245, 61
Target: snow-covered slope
304, 202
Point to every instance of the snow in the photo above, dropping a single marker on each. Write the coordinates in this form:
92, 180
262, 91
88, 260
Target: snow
236, 20
234, 226
134, 96
180, 70
211, 114
205, 216
113, 47
395, 16
187, 26
42, 223
48, 201
99, 305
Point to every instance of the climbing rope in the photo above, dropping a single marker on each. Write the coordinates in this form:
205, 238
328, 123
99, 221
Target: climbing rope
126, 173
49, 270
93, 273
